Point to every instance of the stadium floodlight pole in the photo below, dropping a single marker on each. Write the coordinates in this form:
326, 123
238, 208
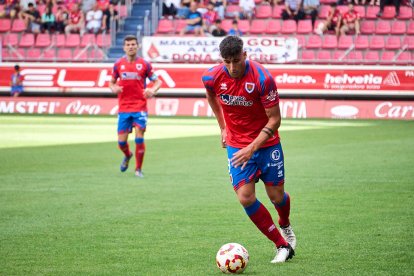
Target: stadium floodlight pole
139, 38
147, 23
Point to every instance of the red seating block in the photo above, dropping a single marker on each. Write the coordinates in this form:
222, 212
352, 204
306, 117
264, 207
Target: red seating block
308, 55
329, 42
314, 42
64, 54
372, 57
12, 39
368, 26
398, 27
360, 10
87, 39
277, 11
393, 43
408, 42
5, 25
43, 40
103, 40
165, 26
371, 12
72, 40
376, 42
244, 26
18, 26
405, 12
405, 58
410, 29
263, 11
33, 54
304, 27
273, 26
383, 27
324, 55
361, 42
232, 10
345, 41
289, 27
389, 12
258, 26
27, 40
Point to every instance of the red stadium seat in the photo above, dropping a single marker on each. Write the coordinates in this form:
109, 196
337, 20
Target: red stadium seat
389, 12
308, 55
329, 42
324, 11
5, 25
64, 54
360, 10
165, 26
41, 8
371, 57
27, 40
259, 26
43, 40
5, 53
18, 54
72, 40
376, 42
345, 41
393, 43
328, 1
383, 27
59, 40
88, 39
343, 9
123, 11
244, 26
314, 42
368, 26
405, 12
273, 26
410, 29
398, 27
289, 27
232, 11
103, 40
49, 54
33, 54
80, 55
408, 42
301, 40
18, 26
387, 57
181, 24
263, 11
361, 42
324, 55
226, 24
354, 57
277, 11
372, 12
304, 27
12, 39
339, 55
96, 54
405, 58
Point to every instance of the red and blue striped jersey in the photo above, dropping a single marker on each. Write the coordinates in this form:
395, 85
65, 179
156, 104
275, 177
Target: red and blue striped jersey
243, 101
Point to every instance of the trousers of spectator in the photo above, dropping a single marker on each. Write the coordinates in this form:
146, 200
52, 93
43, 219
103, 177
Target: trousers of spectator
299, 16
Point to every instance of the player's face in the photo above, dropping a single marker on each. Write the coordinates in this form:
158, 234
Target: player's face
236, 65
131, 47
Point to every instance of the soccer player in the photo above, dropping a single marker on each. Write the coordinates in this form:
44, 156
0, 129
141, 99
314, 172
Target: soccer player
16, 82
128, 81
244, 98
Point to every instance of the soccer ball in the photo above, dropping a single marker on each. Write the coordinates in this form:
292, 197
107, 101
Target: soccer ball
232, 258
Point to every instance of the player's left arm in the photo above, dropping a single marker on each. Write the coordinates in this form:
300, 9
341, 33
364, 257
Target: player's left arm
150, 92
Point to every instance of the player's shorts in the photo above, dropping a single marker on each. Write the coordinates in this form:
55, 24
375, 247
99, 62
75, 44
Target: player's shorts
128, 120
266, 164
16, 89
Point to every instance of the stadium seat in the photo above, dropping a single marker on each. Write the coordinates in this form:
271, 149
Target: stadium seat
345, 41
88, 39
263, 11
182, 23
33, 54
393, 43
301, 40
49, 54
289, 27
360, 10
409, 42
64, 54
314, 42
5, 53
328, 1
368, 27
404, 58
371, 12
59, 40
387, 57
232, 11
383, 27
257, 2
18, 54
5, 25
123, 11
165, 26
273, 26
43, 40
329, 42
26, 41
304, 27
80, 55
339, 56
324, 11
398, 27
244, 26
389, 12
342, 8
308, 56
103, 40
277, 11
406, 13
410, 29
324, 55
12, 39
96, 55
361, 42
41, 8
354, 57
18, 26
371, 57
72, 40
376, 42
259, 26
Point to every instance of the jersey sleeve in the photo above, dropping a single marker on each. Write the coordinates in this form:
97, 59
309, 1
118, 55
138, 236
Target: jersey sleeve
208, 80
115, 72
269, 95
150, 72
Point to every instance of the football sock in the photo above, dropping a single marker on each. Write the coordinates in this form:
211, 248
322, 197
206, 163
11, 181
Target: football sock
139, 152
124, 147
283, 209
263, 220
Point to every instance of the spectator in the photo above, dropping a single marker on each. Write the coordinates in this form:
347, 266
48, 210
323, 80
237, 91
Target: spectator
24, 4
311, 7
220, 7
48, 20
62, 17
235, 29
102, 4
209, 18
272, 2
293, 10
94, 20
194, 21
170, 8
350, 20
69, 4
247, 9
88, 5
11, 9
184, 9
383, 3
32, 19
108, 15
16, 83
76, 21
332, 22
218, 30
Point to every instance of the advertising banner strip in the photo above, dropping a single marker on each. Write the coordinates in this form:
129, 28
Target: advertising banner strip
290, 108
185, 79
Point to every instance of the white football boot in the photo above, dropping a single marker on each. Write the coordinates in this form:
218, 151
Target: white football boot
288, 235
283, 253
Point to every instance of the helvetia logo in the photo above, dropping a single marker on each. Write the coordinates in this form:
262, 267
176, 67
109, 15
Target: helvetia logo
392, 79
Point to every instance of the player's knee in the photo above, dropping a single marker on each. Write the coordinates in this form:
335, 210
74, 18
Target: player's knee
247, 199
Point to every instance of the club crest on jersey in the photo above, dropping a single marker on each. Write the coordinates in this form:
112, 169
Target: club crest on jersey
223, 86
249, 86
138, 66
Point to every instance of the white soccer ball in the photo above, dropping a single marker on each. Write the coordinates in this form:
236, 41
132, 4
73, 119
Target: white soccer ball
232, 258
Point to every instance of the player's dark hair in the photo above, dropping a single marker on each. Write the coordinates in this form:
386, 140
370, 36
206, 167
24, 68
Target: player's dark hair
130, 38
231, 46
16, 67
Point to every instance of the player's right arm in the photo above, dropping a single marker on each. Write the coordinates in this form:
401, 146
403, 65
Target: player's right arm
115, 88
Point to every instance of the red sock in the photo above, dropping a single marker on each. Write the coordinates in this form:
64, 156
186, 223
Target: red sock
283, 209
139, 152
263, 220
124, 147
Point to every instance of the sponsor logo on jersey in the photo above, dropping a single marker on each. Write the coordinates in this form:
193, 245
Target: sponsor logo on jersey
223, 86
129, 76
235, 100
122, 67
272, 96
249, 86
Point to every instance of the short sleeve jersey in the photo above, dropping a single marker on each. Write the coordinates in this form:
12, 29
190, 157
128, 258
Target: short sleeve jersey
131, 77
243, 101
351, 16
335, 16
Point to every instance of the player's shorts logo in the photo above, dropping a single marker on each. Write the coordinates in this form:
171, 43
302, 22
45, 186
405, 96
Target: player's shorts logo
275, 155
249, 86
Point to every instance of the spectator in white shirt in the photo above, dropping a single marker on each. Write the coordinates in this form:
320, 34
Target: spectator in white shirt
247, 9
94, 19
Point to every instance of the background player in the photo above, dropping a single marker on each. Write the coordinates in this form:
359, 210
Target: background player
16, 83
128, 81
244, 98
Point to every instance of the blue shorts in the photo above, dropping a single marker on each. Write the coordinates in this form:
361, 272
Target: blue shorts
128, 120
266, 164
16, 89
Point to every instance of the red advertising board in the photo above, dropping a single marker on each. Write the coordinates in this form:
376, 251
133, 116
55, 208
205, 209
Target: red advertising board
290, 108
185, 79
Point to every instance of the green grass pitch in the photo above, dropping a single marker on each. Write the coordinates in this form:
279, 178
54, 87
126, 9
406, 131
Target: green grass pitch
65, 209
